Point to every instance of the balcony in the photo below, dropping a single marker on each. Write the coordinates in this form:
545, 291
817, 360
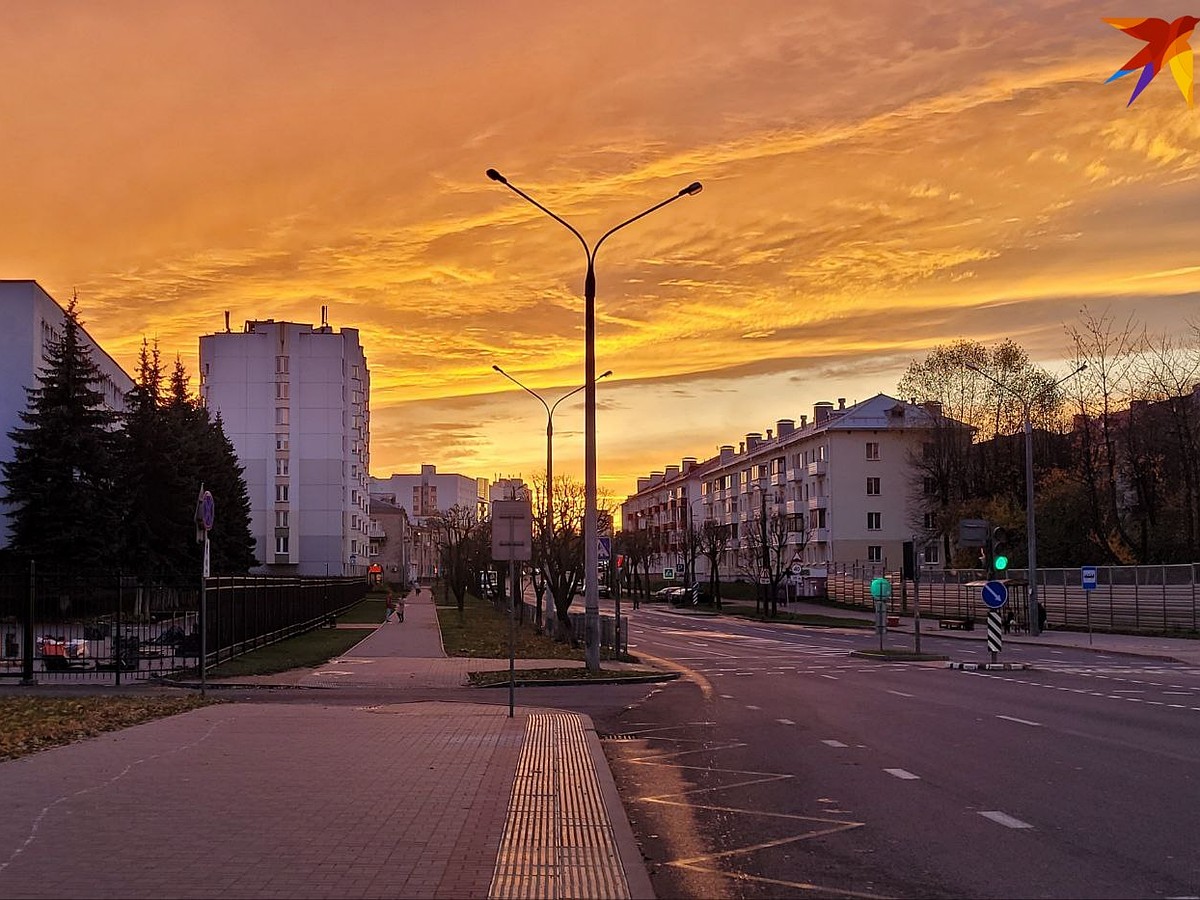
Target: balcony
818, 468
818, 503
796, 507
818, 535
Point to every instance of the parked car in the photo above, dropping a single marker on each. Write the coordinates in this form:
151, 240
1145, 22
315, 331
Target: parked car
663, 593
604, 590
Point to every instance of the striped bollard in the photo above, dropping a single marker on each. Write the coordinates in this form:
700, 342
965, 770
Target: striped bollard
995, 632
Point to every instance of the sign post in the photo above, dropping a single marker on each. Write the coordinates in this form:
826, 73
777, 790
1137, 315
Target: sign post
881, 590
995, 595
205, 515
1087, 577
916, 577
512, 540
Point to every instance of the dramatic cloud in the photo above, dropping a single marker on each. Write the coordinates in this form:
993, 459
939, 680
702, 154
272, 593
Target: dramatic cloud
879, 177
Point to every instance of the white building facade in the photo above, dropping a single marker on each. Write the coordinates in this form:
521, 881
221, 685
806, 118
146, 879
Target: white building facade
32, 319
844, 482
295, 403
430, 492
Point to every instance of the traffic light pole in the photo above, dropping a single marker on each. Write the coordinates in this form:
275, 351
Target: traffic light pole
1030, 529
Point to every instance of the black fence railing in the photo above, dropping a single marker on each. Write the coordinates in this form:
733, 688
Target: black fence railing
86, 627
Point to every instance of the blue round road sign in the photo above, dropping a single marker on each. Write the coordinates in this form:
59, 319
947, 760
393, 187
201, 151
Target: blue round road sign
995, 594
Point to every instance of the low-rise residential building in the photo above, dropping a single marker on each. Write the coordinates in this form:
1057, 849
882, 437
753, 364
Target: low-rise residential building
843, 483
430, 491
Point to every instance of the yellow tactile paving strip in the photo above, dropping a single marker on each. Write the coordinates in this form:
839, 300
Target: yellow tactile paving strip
558, 841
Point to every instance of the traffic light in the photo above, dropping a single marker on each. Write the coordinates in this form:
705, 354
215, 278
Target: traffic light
999, 550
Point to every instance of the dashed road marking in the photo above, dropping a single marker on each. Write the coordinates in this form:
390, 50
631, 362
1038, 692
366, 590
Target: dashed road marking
830, 677
837, 744
1020, 721
1004, 819
903, 774
785, 721
900, 693
752, 706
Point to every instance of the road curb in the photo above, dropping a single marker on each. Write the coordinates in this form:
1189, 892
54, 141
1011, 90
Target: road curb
573, 682
988, 667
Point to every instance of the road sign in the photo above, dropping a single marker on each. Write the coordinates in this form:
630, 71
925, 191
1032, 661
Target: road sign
669, 573
972, 532
1087, 575
995, 594
512, 530
604, 548
881, 588
797, 568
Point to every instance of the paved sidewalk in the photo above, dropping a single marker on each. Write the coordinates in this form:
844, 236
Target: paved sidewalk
420, 799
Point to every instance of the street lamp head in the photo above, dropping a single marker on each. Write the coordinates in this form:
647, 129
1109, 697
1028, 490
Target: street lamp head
498, 369
694, 188
496, 176
605, 375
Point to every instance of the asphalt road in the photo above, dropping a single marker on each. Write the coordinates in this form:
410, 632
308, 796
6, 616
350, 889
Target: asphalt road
783, 766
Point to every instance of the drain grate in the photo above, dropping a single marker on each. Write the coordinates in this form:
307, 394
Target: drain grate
616, 737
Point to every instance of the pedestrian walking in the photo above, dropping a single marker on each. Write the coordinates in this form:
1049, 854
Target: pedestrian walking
391, 608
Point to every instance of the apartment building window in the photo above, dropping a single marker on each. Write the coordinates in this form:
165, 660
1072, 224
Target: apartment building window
872, 487
281, 493
874, 553
874, 521
932, 554
872, 450
929, 485
929, 521
281, 466
281, 415
281, 543
281, 518
281, 390
281, 365
281, 443
928, 450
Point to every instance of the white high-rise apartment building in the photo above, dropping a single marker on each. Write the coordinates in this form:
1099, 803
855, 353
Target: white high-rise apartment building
32, 318
295, 403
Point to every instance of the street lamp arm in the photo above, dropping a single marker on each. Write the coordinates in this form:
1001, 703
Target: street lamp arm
496, 176
574, 392
533, 394
693, 188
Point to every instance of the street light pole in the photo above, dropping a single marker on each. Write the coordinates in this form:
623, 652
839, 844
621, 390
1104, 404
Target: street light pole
1030, 516
590, 535
549, 514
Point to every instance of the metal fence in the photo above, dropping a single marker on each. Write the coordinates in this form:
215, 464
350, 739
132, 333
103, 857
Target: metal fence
1131, 599
56, 626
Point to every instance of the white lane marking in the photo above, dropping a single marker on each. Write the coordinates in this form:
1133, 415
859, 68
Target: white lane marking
838, 744
900, 693
1020, 721
830, 677
903, 774
1129, 690
752, 706
1003, 819
1177, 693
727, 696
785, 721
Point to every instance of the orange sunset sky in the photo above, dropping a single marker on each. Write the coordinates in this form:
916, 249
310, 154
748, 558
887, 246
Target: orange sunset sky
879, 177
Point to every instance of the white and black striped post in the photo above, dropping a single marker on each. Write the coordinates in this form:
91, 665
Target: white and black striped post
995, 632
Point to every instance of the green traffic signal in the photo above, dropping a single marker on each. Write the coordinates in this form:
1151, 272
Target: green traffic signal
1000, 563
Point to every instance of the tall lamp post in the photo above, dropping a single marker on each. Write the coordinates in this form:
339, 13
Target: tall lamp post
590, 530
1030, 519
549, 526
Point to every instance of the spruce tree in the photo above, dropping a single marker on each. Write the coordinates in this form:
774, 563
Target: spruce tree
213, 463
59, 481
